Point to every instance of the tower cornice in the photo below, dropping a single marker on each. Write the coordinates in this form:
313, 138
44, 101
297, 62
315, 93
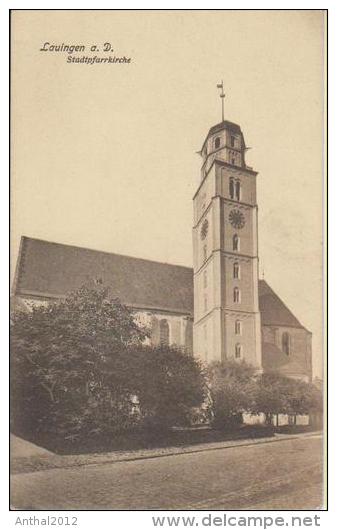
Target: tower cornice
224, 164
245, 169
234, 255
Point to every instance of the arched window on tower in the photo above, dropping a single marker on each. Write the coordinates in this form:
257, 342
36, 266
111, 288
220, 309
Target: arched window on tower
217, 143
286, 343
238, 351
236, 242
236, 295
236, 271
164, 333
231, 188
238, 327
238, 190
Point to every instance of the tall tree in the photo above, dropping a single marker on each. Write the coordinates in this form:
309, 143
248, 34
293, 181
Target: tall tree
67, 363
80, 368
232, 392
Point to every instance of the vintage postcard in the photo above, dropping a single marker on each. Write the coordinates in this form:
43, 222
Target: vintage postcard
167, 243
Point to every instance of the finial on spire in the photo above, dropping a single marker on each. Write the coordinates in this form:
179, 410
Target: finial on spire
222, 96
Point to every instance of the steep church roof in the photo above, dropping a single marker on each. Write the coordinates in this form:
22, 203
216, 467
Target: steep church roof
50, 270
273, 311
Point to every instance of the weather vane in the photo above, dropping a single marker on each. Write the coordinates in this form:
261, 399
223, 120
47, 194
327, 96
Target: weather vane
222, 96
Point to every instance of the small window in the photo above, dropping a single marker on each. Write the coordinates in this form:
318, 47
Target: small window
286, 343
232, 141
233, 161
217, 143
236, 271
238, 327
205, 279
236, 242
231, 188
238, 351
236, 295
238, 190
205, 252
164, 332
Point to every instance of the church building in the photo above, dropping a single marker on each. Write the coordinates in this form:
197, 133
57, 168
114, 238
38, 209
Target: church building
217, 310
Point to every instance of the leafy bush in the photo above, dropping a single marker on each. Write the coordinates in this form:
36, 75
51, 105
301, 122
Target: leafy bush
79, 369
277, 394
235, 388
169, 383
232, 392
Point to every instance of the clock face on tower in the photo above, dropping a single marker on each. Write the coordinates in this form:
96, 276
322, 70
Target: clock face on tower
237, 219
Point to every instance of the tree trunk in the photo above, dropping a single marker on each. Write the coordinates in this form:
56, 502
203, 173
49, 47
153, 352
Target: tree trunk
269, 418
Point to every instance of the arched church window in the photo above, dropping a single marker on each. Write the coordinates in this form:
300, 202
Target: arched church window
238, 327
232, 141
236, 271
164, 333
238, 351
231, 188
205, 279
205, 252
286, 343
238, 190
217, 142
236, 295
236, 242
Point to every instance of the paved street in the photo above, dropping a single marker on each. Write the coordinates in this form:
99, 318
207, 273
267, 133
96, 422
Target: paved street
284, 474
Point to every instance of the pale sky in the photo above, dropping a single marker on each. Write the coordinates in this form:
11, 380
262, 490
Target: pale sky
104, 155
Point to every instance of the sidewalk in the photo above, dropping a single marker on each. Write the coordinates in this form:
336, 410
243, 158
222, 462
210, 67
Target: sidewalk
34, 458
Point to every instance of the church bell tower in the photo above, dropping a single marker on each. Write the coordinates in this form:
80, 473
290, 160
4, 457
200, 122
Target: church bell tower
225, 251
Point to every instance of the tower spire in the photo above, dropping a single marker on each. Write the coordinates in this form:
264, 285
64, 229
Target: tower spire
222, 96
